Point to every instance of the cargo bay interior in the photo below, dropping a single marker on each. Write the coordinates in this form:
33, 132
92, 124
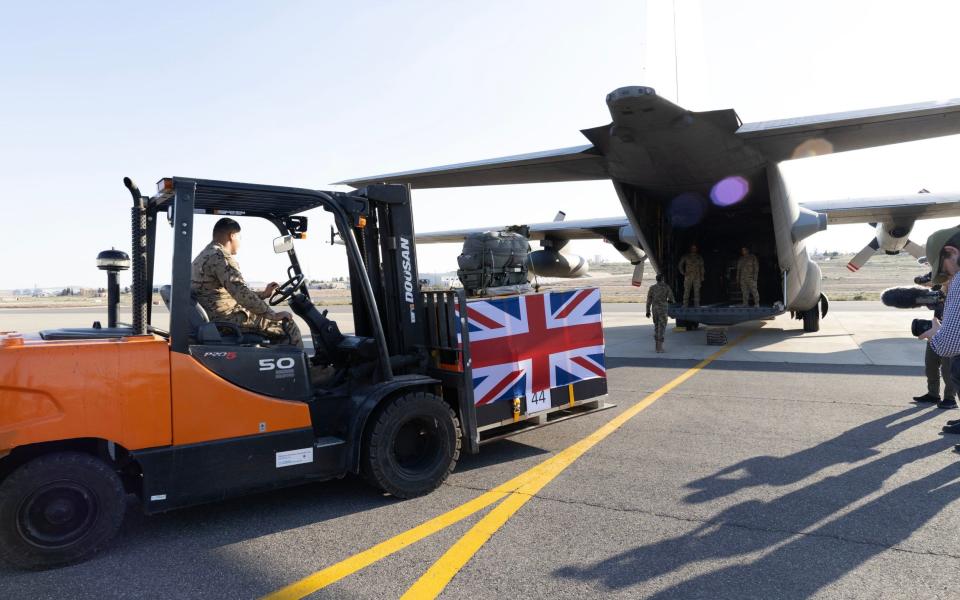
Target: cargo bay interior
672, 222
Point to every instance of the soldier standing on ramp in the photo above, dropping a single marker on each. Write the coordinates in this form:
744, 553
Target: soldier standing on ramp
658, 297
748, 269
692, 269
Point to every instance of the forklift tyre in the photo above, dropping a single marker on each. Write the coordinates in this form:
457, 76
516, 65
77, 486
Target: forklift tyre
58, 509
412, 445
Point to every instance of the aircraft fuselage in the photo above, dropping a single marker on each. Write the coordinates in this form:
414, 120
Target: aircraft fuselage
693, 181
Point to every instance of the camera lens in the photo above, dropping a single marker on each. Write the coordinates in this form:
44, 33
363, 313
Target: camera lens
918, 326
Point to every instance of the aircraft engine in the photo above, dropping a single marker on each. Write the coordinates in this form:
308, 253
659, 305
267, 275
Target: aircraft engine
889, 238
549, 262
893, 238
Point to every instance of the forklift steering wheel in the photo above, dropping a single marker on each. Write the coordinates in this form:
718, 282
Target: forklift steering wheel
286, 290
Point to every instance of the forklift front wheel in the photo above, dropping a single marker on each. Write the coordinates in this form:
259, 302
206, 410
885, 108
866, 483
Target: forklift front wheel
412, 445
59, 509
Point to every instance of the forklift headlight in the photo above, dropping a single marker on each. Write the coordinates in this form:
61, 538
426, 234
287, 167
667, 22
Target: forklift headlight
165, 185
361, 222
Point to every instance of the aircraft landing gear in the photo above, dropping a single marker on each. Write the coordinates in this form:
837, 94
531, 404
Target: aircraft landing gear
811, 318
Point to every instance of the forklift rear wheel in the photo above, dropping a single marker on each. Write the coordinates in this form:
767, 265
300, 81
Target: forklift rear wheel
59, 509
412, 445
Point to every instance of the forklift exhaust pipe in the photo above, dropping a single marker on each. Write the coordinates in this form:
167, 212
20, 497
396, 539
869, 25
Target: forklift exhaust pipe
134, 190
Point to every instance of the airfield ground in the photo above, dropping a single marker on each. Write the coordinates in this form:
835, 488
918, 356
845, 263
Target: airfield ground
788, 467
612, 278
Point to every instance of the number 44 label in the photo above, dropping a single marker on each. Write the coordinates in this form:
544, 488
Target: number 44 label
538, 402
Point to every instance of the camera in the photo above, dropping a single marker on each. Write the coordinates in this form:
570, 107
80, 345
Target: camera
919, 326
917, 297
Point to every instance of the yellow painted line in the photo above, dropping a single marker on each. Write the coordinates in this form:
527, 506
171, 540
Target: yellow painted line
348, 566
570, 390
447, 566
517, 491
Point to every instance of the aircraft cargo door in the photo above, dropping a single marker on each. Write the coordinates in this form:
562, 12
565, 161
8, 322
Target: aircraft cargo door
671, 222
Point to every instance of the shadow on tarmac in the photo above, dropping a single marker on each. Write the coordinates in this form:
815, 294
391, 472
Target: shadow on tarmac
499, 452
852, 446
801, 566
155, 547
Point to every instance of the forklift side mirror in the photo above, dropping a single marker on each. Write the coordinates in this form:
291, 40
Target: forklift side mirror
283, 244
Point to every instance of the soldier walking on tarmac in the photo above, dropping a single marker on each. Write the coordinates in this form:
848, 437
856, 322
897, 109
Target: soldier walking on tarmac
658, 297
691, 267
748, 269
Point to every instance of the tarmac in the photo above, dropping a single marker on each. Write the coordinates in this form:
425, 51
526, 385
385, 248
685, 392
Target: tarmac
852, 333
790, 466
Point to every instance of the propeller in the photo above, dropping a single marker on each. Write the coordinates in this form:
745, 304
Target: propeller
915, 250
889, 238
863, 256
638, 272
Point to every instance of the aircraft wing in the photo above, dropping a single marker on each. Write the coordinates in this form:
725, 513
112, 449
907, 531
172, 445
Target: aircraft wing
839, 212
786, 139
887, 208
583, 229
579, 163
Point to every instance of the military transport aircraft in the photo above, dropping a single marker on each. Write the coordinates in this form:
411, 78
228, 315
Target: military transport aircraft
897, 215
688, 177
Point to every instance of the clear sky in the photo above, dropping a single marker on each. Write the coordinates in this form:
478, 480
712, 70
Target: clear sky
307, 93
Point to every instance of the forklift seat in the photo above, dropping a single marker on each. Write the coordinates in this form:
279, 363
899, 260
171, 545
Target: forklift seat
206, 332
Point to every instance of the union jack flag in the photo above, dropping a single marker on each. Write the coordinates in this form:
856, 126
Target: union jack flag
526, 344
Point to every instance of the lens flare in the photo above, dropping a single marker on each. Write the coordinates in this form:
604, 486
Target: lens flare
687, 210
729, 190
812, 147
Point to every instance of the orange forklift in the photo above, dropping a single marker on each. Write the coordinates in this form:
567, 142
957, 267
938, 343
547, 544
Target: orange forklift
205, 410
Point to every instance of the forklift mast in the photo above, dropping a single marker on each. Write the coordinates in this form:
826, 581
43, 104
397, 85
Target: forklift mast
386, 242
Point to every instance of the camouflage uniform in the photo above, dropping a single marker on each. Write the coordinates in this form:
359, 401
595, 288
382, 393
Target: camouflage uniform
219, 288
658, 297
691, 267
748, 269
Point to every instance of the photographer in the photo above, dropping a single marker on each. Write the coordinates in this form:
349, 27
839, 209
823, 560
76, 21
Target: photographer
943, 252
937, 367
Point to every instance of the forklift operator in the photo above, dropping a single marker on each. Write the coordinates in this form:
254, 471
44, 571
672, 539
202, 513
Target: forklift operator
219, 288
